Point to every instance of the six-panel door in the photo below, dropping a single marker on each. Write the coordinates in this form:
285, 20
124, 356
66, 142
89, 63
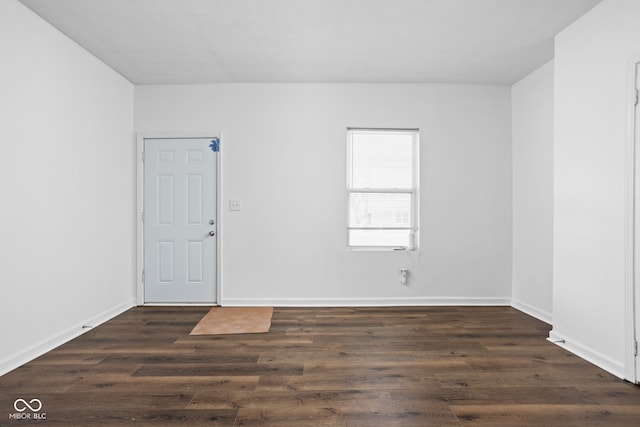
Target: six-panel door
179, 221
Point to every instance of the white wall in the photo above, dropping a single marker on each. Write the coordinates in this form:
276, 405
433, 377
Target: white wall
67, 174
532, 139
589, 207
284, 159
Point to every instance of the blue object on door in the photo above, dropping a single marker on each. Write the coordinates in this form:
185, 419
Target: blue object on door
215, 145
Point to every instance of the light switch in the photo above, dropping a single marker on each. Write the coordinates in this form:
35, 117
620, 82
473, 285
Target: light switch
234, 205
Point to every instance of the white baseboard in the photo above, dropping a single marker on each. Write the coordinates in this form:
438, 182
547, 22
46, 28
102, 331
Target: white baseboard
545, 316
587, 354
363, 302
179, 304
26, 355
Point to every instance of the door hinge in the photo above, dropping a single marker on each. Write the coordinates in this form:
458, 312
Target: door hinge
637, 97
142, 216
143, 276
635, 348
144, 152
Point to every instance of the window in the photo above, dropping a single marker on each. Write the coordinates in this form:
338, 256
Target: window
382, 188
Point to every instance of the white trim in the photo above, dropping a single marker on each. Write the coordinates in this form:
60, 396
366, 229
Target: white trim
180, 304
141, 136
383, 190
587, 354
365, 302
630, 255
539, 314
219, 216
38, 349
139, 225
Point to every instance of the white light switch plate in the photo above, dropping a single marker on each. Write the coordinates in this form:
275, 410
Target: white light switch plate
234, 205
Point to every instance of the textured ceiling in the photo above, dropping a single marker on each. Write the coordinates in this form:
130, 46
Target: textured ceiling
394, 41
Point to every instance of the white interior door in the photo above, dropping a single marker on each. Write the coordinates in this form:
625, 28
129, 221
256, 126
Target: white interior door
179, 221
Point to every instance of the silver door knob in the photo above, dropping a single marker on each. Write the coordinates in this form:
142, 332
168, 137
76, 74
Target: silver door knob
212, 233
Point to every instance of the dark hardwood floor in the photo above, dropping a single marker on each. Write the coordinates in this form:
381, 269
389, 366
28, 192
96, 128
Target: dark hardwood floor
404, 366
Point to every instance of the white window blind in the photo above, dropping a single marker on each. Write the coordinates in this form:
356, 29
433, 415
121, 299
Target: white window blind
382, 179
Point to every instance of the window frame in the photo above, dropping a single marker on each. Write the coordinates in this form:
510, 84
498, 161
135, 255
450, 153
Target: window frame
413, 191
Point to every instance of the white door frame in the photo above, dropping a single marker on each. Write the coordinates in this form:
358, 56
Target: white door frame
139, 297
632, 228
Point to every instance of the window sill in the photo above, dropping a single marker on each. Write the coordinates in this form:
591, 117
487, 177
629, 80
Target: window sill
380, 249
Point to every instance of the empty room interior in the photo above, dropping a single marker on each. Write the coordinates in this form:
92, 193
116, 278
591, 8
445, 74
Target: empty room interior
438, 198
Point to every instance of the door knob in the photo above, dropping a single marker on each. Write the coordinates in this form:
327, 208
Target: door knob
212, 233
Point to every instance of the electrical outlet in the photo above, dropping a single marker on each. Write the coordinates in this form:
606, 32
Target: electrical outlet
234, 205
404, 272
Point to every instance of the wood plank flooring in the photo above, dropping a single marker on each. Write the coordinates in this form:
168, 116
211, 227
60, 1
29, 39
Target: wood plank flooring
402, 366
